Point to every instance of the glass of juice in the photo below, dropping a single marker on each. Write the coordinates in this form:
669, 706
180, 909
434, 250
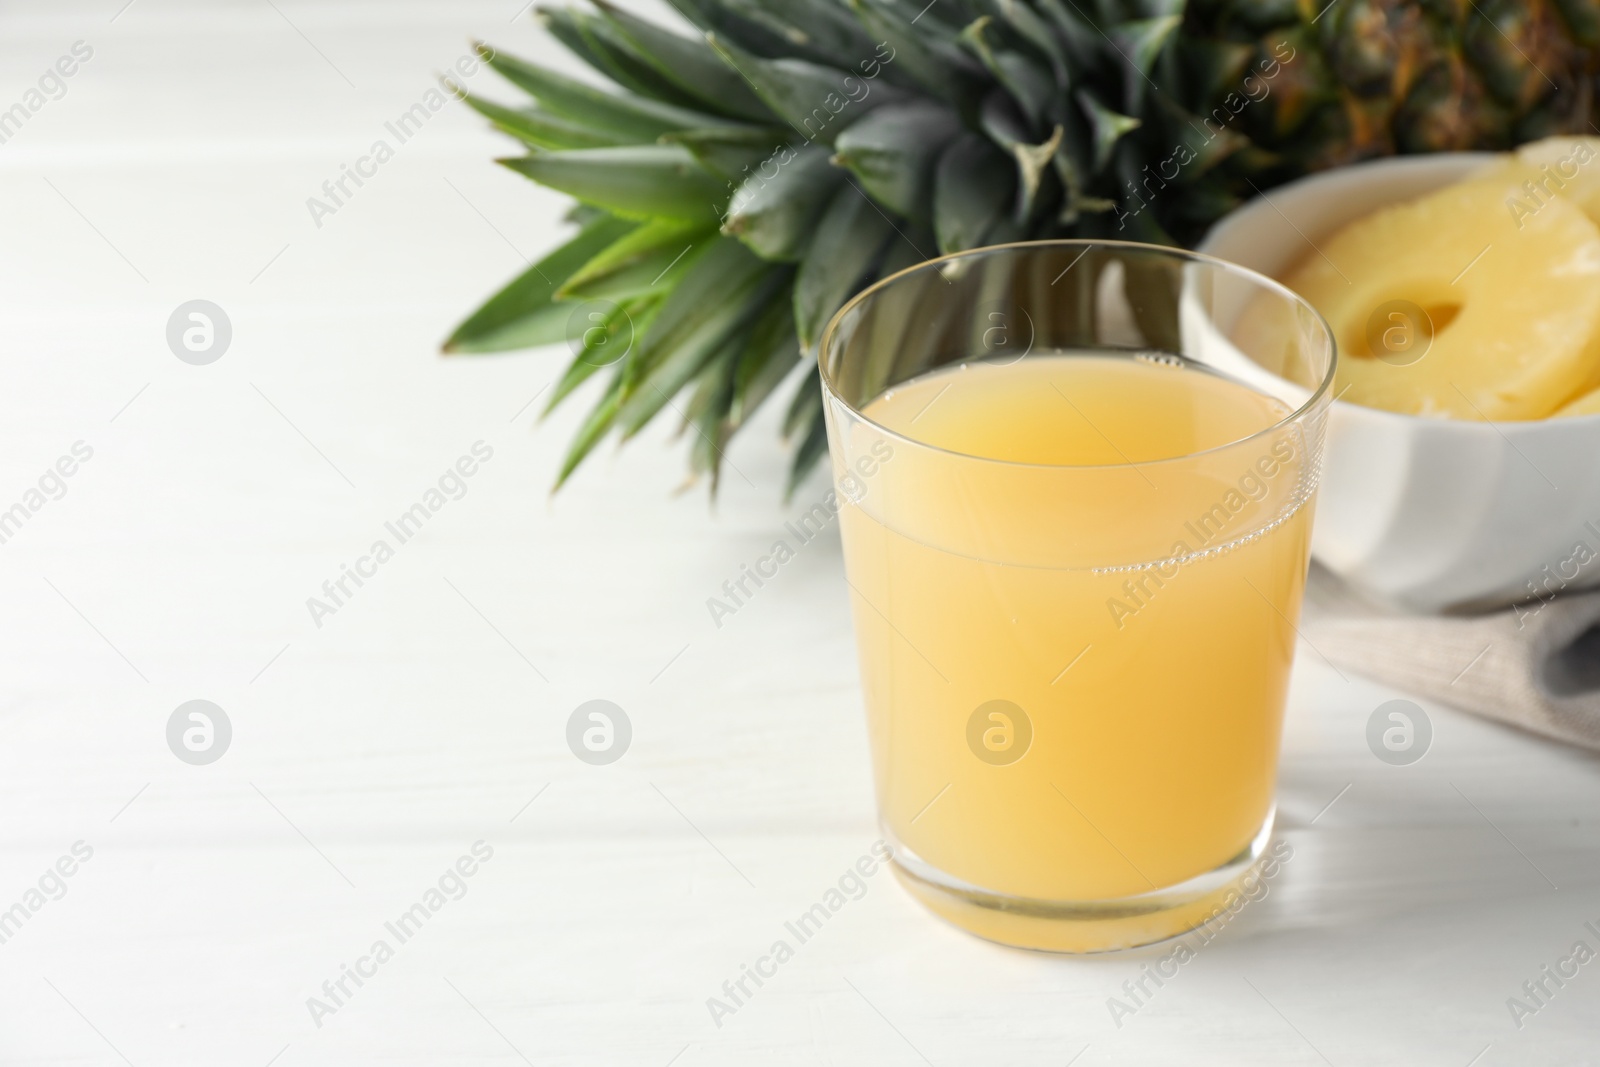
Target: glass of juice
1076, 482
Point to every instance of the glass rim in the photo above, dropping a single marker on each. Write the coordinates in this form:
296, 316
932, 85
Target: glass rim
1183, 254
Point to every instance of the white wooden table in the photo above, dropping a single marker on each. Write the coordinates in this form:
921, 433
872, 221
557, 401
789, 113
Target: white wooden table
429, 711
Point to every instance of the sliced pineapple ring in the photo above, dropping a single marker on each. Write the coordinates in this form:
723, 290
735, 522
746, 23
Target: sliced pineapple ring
1568, 167
1510, 302
1587, 404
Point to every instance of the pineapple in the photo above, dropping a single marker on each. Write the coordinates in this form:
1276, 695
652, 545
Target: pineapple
1587, 404
1568, 167
1451, 306
1561, 166
741, 181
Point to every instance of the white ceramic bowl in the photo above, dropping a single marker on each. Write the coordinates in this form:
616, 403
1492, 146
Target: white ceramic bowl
1429, 514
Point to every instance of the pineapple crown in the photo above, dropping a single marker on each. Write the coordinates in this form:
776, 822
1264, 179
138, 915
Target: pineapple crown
749, 179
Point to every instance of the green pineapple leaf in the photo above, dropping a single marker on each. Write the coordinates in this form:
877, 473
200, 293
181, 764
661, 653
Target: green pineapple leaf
813, 446
1080, 40
1032, 28
1032, 160
770, 353
539, 129
823, 28
730, 152
707, 414
935, 67
1216, 67
720, 292
634, 181
1140, 42
691, 64
639, 259
775, 215
719, 18
525, 313
848, 241
974, 188
807, 400
598, 44
815, 100
1030, 85
892, 151
591, 432
710, 392
635, 118
1109, 127
597, 346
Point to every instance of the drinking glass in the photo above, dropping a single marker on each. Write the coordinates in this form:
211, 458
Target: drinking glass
1075, 674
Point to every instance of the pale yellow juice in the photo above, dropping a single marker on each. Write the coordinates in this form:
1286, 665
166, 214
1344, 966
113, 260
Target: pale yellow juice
1134, 611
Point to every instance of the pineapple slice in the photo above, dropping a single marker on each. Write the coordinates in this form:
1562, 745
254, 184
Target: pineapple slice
1509, 303
1568, 167
1587, 404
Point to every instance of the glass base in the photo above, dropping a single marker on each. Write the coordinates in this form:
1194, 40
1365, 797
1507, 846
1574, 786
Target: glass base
1081, 926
